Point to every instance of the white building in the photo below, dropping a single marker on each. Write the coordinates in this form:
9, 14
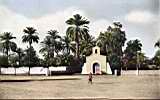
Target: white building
96, 63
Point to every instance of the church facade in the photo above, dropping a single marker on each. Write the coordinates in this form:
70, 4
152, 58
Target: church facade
96, 63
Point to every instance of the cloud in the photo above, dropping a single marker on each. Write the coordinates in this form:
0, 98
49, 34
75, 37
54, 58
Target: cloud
99, 26
15, 23
12, 22
140, 17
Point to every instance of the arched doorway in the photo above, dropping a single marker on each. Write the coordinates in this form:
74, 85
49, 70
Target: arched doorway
96, 68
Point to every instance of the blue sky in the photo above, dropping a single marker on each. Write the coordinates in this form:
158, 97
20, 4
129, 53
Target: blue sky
139, 17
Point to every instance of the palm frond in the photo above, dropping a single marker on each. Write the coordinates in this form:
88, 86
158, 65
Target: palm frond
30, 35
70, 21
35, 38
157, 44
71, 33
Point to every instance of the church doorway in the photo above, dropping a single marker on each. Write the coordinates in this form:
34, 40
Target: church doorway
96, 68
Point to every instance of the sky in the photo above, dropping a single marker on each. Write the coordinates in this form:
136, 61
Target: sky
140, 18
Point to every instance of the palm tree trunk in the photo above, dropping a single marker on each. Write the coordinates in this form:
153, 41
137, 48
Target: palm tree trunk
77, 44
68, 51
67, 48
29, 70
77, 50
57, 53
0, 70
29, 58
7, 58
48, 71
19, 60
15, 70
53, 50
48, 59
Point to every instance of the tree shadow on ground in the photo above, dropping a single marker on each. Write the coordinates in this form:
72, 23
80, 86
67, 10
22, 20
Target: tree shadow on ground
29, 80
15, 80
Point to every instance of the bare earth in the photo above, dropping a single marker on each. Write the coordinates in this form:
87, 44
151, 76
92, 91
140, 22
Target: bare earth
76, 86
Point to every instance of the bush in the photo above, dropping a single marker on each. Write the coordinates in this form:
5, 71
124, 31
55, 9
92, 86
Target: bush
3, 61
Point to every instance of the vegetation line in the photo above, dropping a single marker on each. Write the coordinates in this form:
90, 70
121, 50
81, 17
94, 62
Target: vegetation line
72, 49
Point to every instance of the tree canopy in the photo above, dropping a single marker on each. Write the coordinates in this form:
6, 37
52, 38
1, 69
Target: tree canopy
72, 48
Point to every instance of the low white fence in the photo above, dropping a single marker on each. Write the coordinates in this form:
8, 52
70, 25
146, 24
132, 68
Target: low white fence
33, 70
141, 72
9, 70
38, 70
62, 68
45, 71
24, 70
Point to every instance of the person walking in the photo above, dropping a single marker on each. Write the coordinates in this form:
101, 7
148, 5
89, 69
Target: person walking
90, 78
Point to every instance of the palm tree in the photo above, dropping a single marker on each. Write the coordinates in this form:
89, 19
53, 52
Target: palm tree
131, 51
53, 35
6, 44
77, 30
119, 38
111, 43
86, 46
46, 48
157, 44
49, 45
30, 37
157, 55
157, 58
133, 46
112, 40
105, 41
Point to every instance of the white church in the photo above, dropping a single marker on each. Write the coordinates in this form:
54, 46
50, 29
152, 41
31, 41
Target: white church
96, 63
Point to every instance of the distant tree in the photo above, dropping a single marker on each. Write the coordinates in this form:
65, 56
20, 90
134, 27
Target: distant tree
133, 46
7, 44
50, 46
77, 30
30, 37
156, 58
131, 52
53, 35
113, 39
111, 43
119, 38
46, 49
157, 53
142, 57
